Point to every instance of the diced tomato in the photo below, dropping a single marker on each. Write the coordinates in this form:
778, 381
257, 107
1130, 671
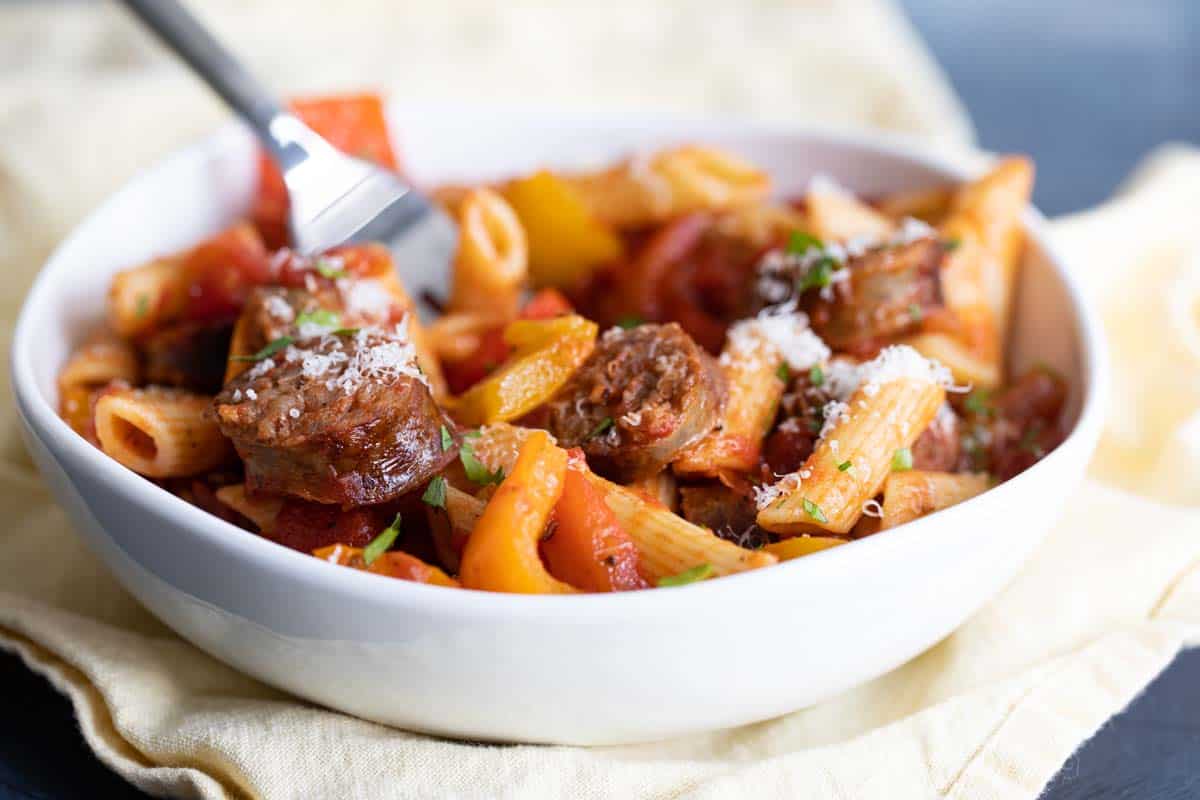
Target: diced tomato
588, 548
546, 304
354, 124
306, 526
493, 351
219, 273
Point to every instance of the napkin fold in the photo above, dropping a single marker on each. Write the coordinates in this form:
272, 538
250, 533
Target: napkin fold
990, 712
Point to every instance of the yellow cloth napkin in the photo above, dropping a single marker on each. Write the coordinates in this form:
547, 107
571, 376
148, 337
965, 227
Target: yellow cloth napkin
990, 712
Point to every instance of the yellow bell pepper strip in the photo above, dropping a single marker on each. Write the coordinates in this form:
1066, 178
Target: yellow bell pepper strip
799, 546
566, 240
502, 552
545, 354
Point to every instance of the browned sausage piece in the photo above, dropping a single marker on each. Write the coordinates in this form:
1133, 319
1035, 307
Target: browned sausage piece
937, 448
643, 395
189, 355
339, 419
886, 293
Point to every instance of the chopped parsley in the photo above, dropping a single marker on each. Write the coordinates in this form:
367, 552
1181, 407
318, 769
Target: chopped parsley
330, 267
273, 347
915, 312
321, 316
447, 439
818, 276
476, 471
382, 542
846, 466
902, 460
693, 575
800, 243
816, 376
784, 373
435, 493
814, 510
143, 306
979, 402
629, 321
603, 426
951, 244
346, 332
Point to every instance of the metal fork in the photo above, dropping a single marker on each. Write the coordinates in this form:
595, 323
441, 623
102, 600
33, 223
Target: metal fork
335, 199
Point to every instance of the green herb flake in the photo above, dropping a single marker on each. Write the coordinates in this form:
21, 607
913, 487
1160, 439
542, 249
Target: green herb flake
814, 511
952, 244
330, 267
693, 575
979, 402
915, 312
902, 460
380, 544
784, 373
800, 243
143, 306
322, 317
818, 276
447, 439
435, 493
1030, 439
816, 376
345, 331
273, 347
476, 471
604, 425
629, 321
846, 466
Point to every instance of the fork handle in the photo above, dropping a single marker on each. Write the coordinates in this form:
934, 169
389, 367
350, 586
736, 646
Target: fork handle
288, 139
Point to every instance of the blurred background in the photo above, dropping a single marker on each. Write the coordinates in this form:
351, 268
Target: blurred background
1087, 87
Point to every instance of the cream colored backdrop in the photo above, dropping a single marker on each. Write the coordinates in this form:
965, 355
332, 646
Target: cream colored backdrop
991, 712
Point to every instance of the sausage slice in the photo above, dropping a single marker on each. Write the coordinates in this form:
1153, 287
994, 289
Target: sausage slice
642, 396
338, 419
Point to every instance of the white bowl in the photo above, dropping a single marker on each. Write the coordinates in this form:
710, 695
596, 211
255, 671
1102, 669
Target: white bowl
589, 669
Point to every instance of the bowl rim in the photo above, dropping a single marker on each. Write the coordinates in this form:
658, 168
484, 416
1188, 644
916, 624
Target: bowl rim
42, 420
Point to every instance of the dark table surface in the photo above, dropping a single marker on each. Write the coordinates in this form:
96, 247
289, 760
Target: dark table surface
1087, 87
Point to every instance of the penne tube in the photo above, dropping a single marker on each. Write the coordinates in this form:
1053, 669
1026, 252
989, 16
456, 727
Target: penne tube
103, 359
913, 494
491, 266
750, 363
878, 421
456, 335
661, 487
835, 215
968, 367
142, 297
929, 205
160, 433
259, 508
668, 544
645, 191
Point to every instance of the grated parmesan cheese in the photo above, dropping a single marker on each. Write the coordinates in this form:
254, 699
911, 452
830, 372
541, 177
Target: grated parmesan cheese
872, 508
783, 329
834, 413
365, 296
767, 494
843, 378
279, 309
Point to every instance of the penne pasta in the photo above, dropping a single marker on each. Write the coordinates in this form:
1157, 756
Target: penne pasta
456, 335
928, 205
669, 544
161, 433
261, 509
750, 363
913, 494
141, 298
643, 191
102, 359
879, 421
491, 266
968, 367
835, 215
661, 488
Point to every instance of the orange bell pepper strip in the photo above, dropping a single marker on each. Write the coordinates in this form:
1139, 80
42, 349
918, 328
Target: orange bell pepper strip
502, 552
393, 564
545, 355
588, 547
354, 124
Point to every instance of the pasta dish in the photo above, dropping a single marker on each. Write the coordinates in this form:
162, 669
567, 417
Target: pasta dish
646, 375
